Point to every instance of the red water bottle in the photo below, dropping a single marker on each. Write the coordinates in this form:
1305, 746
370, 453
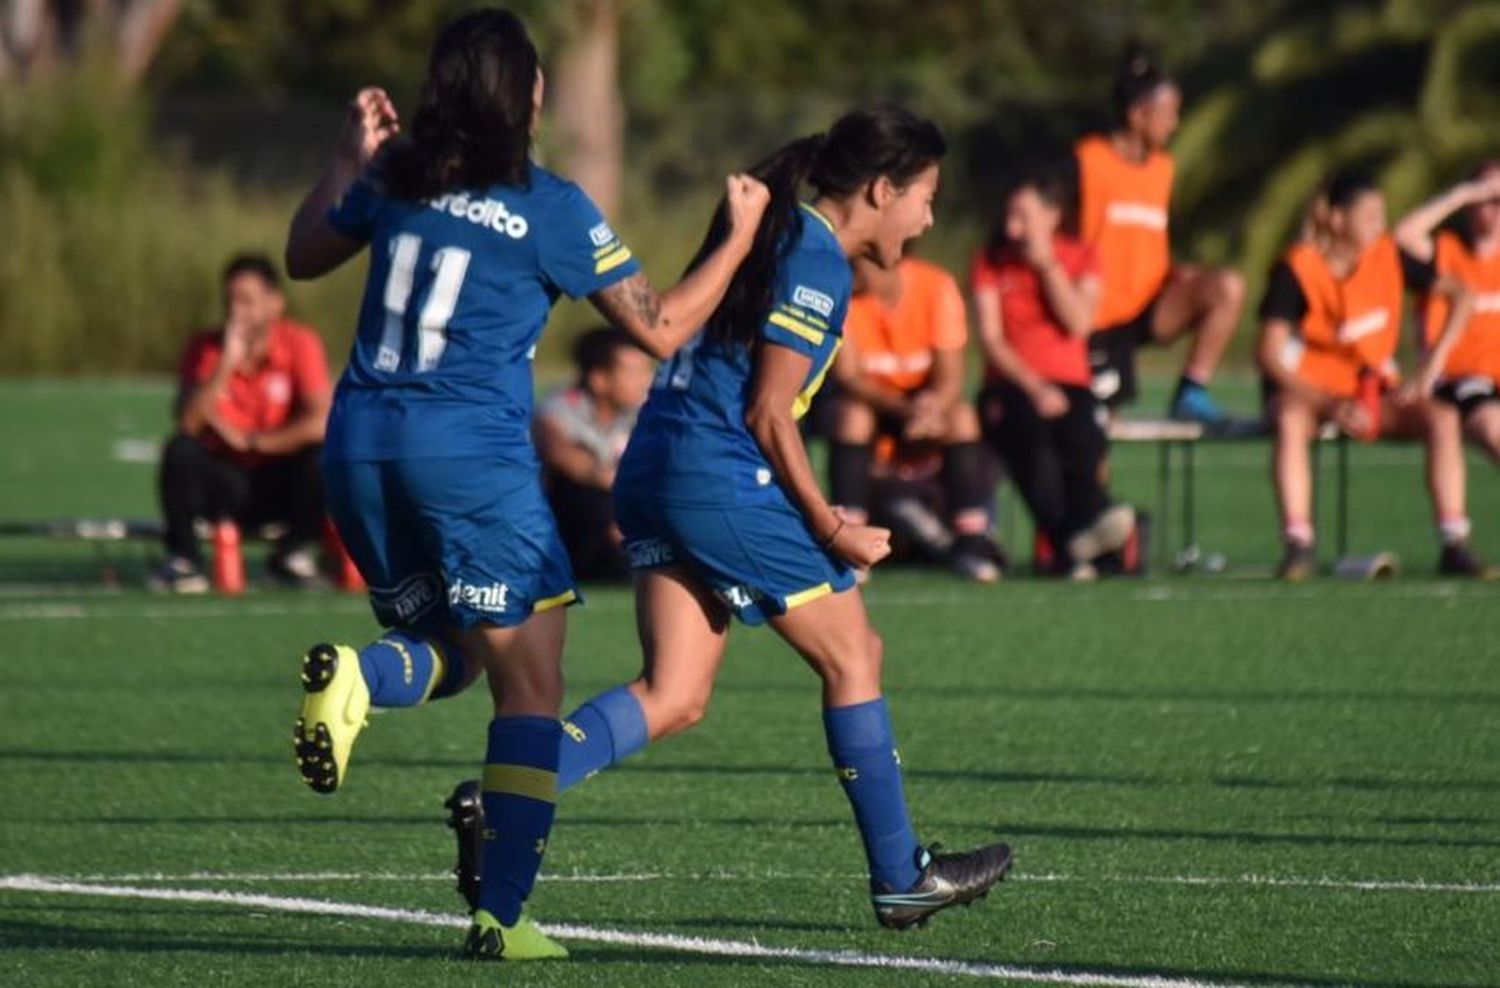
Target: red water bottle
229, 565
1368, 397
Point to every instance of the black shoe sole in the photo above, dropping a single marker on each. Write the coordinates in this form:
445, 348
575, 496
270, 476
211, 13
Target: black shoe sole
315, 749
919, 917
465, 813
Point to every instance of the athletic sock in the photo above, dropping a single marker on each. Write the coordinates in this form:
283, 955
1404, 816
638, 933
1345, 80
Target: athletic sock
1298, 533
970, 501
403, 670
607, 729
864, 753
849, 475
1454, 531
520, 797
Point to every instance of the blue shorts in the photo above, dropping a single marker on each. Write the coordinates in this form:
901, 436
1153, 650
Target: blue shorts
447, 542
759, 559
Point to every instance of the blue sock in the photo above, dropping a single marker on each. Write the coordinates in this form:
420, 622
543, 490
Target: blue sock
520, 796
605, 730
864, 752
403, 670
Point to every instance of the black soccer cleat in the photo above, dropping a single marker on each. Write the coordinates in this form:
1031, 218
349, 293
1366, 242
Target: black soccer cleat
466, 817
946, 880
1458, 559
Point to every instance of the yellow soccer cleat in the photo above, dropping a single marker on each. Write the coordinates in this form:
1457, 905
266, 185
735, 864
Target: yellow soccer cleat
333, 714
488, 940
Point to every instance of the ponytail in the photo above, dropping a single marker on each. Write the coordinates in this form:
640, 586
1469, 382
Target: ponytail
860, 147
1138, 78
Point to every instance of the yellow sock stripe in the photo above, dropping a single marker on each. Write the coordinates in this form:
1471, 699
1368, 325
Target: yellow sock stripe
797, 327
407, 665
439, 669
521, 780
808, 595
560, 600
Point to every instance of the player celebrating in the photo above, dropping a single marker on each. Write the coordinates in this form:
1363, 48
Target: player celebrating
1467, 396
722, 515
1125, 191
432, 478
1330, 324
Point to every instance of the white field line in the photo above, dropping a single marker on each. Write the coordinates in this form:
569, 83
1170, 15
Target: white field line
701, 946
1218, 592
1211, 881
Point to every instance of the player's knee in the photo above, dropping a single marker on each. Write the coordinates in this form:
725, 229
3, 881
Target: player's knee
681, 712
1227, 289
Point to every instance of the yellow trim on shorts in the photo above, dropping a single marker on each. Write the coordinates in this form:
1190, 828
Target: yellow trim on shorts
521, 780
561, 600
797, 326
809, 595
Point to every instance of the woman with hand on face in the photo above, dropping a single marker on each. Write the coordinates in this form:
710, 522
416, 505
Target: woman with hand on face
1035, 292
1466, 393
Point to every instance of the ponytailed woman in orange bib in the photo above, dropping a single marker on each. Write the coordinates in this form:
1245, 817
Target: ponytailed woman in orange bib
1330, 325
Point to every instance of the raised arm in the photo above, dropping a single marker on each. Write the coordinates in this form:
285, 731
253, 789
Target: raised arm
313, 246
662, 323
1414, 231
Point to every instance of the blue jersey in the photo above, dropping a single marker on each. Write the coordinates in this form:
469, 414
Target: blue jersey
459, 290
691, 444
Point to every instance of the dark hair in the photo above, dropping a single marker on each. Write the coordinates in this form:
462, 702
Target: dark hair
1346, 185
861, 146
473, 122
256, 264
1137, 80
1050, 179
597, 349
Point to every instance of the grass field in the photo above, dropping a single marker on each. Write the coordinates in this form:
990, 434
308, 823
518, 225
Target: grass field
1209, 780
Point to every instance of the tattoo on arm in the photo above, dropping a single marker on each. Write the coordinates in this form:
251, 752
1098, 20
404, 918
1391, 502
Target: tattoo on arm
632, 300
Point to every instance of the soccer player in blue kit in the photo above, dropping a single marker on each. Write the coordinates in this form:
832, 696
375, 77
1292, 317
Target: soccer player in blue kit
721, 513
432, 478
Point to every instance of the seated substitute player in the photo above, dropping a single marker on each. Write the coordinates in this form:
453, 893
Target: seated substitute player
1125, 191
432, 477
722, 514
1330, 324
1466, 400
252, 404
581, 432
901, 379
1035, 291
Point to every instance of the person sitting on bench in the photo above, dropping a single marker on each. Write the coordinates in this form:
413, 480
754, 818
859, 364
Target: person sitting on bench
1035, 291
1330, 325
1466, 400
251, 409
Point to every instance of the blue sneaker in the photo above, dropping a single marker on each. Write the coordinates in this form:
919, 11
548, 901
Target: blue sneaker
1194, 404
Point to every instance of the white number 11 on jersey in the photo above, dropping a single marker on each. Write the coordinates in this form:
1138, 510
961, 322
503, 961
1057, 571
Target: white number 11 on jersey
449, 266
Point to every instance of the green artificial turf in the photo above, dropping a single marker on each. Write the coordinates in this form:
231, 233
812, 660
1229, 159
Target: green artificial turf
1215, 778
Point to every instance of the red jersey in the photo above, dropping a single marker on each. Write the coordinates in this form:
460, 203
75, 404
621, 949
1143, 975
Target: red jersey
1031, 328
263, 398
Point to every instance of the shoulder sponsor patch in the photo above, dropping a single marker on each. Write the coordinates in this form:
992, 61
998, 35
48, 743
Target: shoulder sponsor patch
601, 235
817, 301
